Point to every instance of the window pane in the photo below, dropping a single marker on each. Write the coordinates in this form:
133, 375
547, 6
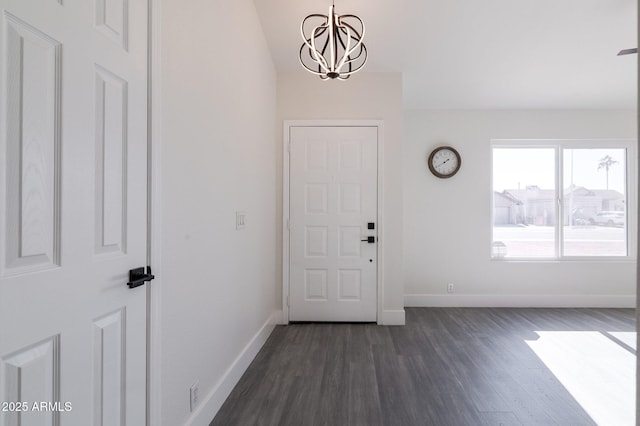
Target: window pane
524, 202
594, 208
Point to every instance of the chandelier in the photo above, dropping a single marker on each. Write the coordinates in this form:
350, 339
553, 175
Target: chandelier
333, 48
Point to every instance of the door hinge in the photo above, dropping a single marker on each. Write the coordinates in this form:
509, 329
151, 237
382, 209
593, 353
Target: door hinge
288, 226
287, 301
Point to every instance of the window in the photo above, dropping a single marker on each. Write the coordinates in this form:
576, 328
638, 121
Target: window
560, 199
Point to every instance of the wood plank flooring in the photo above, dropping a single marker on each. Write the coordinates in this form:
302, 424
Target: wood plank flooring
447, 366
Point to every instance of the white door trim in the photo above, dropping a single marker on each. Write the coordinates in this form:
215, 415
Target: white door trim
379, 124
154, 129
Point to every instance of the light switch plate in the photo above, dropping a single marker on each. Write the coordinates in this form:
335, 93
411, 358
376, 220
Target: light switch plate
241, 220
194, 397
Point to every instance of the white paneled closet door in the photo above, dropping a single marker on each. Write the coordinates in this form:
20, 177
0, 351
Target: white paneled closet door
73, 173
333, 224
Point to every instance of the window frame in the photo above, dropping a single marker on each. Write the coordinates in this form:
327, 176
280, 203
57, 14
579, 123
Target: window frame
559, 145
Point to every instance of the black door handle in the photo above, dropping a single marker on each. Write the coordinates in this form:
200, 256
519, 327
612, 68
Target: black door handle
369, 240
138, 277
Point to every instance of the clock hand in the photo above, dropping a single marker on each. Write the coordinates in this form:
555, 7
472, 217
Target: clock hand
443, 162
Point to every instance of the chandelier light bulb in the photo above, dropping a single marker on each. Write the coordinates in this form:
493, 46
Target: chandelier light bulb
333, 49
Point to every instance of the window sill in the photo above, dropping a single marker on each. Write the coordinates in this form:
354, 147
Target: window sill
621, 259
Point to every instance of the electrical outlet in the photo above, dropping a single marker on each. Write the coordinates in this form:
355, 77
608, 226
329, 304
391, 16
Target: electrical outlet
193, 393
450, 288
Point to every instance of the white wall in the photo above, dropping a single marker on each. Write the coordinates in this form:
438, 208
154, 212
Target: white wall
373, 96
447, 230
218, 149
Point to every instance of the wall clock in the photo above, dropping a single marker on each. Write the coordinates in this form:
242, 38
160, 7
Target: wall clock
444, 162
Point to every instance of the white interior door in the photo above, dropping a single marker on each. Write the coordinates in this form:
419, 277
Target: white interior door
73, 111
333, 201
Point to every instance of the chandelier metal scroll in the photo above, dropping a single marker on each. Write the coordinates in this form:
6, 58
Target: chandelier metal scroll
333, 49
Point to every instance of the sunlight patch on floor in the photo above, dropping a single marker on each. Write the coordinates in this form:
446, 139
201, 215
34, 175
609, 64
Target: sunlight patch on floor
599, 373
626, 337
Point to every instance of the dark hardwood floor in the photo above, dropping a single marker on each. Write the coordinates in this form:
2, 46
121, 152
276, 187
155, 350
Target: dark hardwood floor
447, 366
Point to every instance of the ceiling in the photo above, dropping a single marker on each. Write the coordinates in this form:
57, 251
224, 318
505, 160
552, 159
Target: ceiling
483, 54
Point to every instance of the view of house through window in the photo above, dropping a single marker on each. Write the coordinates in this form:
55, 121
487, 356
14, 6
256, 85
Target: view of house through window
552, 201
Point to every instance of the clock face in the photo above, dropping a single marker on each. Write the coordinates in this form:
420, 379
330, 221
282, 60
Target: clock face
444, 162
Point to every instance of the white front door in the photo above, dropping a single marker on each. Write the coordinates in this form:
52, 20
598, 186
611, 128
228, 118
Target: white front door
73, 112
333, 207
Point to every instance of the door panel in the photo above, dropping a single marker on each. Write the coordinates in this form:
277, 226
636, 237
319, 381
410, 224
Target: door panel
32, 154
333, 196
111, 161
73, 113
109, 368
32, 374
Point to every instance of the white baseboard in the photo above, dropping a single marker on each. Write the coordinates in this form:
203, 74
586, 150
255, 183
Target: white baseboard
392, 317
521, 300
213, 401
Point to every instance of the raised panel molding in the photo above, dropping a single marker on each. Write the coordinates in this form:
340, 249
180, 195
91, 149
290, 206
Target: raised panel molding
316, 155
112, 20
350, 196
315, 284
32, 87
111, 162
316, 198
349, 240
316, 241
349, 285
109, 369
350, 155
32, 374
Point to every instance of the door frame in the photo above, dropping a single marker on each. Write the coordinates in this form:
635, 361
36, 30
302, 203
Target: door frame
288, 124
154, 213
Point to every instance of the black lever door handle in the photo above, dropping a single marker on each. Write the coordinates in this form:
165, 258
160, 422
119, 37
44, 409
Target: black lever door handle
138, 277
369, 240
